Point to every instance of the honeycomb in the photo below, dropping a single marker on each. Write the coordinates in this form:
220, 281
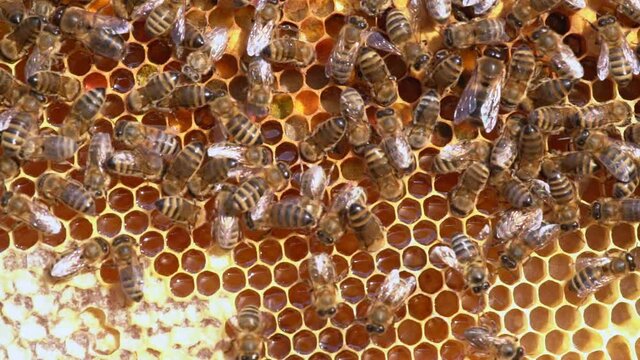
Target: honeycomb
192, 288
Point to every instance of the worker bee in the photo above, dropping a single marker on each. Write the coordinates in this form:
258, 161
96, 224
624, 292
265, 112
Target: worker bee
82, 113
374, 7
481, 97
249, 341
382, 172
159, 86
532, 149
129, 267
332, 224
445, 71
313, 183
252, 156
323, 278
481, 31
259, 95
342, 59
288, 50
613, 155
562, 59
462, 199
16, 43
236, 124
525, 12
516, 192
550, 91
52, 148
96, 178
80, 259
375, 72
68, 191
225, 228
577, 163
616, 56
394, 141
182, 168
124, 8
19, 127
352, 108
514, 222
11, 90
99, 33
521, 68
323, 138
566, 212
53, 83
463, 255
22, 208
141, 163
179, 209
402, 35
190, 97
484, 341
505, 149
456, 156
267, 16
164, 17
45, 52
610, 210
594, 273
250, 191
136, 135
366, 226
12, 12
615, 112
200, 62
286, 214
212, 172
554, 118
425, 116
521, 247
392, 294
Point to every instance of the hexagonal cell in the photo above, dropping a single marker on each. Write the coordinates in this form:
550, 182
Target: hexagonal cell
550, 293
587, 340
181, 285
166, 264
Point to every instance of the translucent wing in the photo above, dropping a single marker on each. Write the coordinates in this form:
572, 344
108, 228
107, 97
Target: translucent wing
348, 196
41, 219
446, 255
313, 182
567, 60
468, 102
631, 57
6, 116
259, 36
217, 40
111, 23
375, 40
466, 3
321, 269
483, 6
513, 221
455, 150
225, 230
68, 264
341, 48
260, 72
226, 150
543, 235
179, 27
491, 105
395, 290
619, 169
144, 9
416, 13
100, 149
576, 4
603, 61
259, 212
488, 110
509, 148
399, 152
597, 261
36, 62
260, 4
479, 337
133, 271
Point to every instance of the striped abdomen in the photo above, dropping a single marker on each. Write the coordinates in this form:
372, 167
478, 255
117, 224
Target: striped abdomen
586, 280
398, 27
326, 135
619, 66
372, 66
177, 208
464, 248
377, 162
20, 127
517, 194
247, 195
630, 210
249, 318
561, 188
243, 130
289, 216
76, 197
160, 20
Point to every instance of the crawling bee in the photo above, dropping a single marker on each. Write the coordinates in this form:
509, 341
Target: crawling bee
251, 191
55, 84
484, 341
552, 119
505, 149
34, 214
465, 256
392, 294
521, 247
615, 156
225, 228
440, 10
332, 224
249, 341
550, 91
182, 168
425, 117
82, 113
480, 99
140, 163
201, 61
323, 138
615, 112
563, 60
352, 108
454, 157
259, 95
343, 55
394, 141
96, 178
516, 192
462, 199
525, 12
566, 211
383, 173
164, 17
136, 135
68, 191
366, 226
610, 210
323, 278
45, 52
514, 222
285, 214
531, 151
287, 50
52, 148
401, 34
16, 43
12, 12
268, 14
592, 274
446, 70
376, 73
313, 184
577, 163
179, 210
189, 97
616, 57
236, 124
482, 31
129, 267
80, 259
212, 172
159, 86
521, 68
19, 127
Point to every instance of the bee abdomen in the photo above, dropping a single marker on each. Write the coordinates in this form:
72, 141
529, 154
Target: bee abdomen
585, 279
77, 198
290, 216
631, 210
243, 130
398, 27
463, 247
517, 194
247, 195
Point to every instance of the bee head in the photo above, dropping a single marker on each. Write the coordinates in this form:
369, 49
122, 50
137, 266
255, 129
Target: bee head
494, 52
514, 21
385, 112
5, 198
57, 15
508, 262
284, 170
325, 313
581, 139
631, 261
606, 20
375, 328
519, 353
358, 21
536, 35
104, 245
421, 62
441, 54
325, 237
253, 356
596, 210
509, 350
570, 226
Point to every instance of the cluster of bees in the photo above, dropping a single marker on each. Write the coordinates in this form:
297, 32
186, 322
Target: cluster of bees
529, 82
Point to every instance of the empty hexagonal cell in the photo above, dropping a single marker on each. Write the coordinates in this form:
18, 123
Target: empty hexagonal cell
385, 212
499, 297
567, 317
414, 258
109, 225
452, 349
534, 269
271, 251
271, 132
550, 293
281, 106
330, 340
623, 236
356, 337
597, 237
278, 346
515, 321
587, 340
446, 303
425, 232
580, 95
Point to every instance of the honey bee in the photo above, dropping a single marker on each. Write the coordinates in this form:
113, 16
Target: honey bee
616, 56
19, 127
525, 12
200, 62
562, 59
425, 117
521, 68
632, 134
514, 222
552, 119
613, 155
578, 163
249, 341
15, 44
9, 168
402, 35
68, 191
96, 178
136, 135
259, 95
454, 157
323, 278
375, 72
164, 17
212, 172
505, 149
129, 267
374, 7
182, 168
323, 138
252, 156
141, 163
342, 59
463, 255
236, 124
521, 247
610, 210
382, 172
34, 214
288, 50
392, 294
250, 191
592, 274
53, 83
12, 12
52, 148
80, 259
484, 341
267, 16
190, 97
446, 70
516, 193
481, 31
124, 8
225, 228
394, 142
10, 88
82, 113
159, 86
313, 183
480, 99
366, 226
531, 152
332, 224
615, 112
550, 91
352, 108
45, 52
462, 199
286, 214
566, 212
179, 209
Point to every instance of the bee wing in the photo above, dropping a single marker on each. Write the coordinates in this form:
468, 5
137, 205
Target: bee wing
6, 116
68, 264
36, 62
259, 36
395, 290
468, 103
261, 71
619, 170
100, 149
513, 221
133, 271
509, 147
597, 261
483, 6
455, 150
226, 150
541, 236
491, 105
260, 4
144, 9
313, 182
179, 27
446, 255
217, 39
40, 218
321, 269
262, 207
479, 337
566, 59
576, 4
224, 227
375, 40
111, 23
603, 61
631, 57
399, 152
417, 12
347, 196
340, 48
